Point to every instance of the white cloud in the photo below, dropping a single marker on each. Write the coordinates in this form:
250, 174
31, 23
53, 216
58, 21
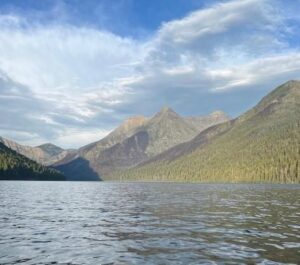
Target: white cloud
75, 138
78, 82
58, 57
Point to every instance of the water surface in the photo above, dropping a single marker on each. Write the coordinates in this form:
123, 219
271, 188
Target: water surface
148, 223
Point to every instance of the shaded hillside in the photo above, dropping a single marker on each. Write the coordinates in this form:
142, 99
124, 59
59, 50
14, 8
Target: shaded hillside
262, 145
14, 166
78, 169
136, 140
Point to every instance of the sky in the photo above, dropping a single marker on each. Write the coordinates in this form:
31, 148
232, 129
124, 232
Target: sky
71, 71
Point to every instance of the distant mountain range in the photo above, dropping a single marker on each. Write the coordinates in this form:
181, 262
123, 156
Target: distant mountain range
46, 154
14, 166
135, 141
261, 145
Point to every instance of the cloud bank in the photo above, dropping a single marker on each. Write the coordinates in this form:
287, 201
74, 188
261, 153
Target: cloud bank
72, 84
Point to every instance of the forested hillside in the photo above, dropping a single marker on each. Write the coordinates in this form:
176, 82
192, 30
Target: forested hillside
14, 166
262, 145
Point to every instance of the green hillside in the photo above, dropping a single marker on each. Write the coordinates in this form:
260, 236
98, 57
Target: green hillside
14, 166
262, 145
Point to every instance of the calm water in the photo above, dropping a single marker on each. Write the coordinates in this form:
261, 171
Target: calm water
148, 223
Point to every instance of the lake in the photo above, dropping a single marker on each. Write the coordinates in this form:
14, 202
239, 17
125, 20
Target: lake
148, 223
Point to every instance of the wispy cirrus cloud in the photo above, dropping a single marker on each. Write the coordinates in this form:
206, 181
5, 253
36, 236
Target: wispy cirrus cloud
77, 82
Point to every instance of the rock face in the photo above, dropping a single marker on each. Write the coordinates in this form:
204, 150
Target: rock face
14, 166
136, 140
262, 145
45, 154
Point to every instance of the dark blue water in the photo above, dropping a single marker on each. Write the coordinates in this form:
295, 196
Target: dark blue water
148, 223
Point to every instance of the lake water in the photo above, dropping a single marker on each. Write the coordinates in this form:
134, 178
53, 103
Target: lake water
148, 223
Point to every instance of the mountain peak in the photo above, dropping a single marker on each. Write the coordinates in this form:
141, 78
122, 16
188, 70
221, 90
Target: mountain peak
282, 99
289, 89
126, 129
47, 144
51, 149
166, 111
218, 113
292, 82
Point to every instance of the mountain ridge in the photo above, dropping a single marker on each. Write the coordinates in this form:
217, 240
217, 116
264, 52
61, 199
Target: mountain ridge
41, 154
263, 144
143, 138
14, 166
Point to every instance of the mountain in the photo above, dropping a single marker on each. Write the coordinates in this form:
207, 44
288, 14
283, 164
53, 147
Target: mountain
14, 166
262, 145
44, 154
122, 155
125, 130
50, 149
136, 140
204, 122
165, 130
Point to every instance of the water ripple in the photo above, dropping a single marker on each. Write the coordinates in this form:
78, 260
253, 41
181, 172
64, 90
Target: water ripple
148, 223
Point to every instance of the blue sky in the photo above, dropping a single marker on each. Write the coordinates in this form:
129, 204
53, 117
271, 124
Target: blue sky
123, 17
71, 71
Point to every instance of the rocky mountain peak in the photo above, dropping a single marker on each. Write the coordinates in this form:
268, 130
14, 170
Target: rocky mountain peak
166, 112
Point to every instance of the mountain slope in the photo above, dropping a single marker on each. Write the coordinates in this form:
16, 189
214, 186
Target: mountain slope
51, 149
125, 130
14, 166
165, 130
44, 154
122, 155
134, 141
261, 145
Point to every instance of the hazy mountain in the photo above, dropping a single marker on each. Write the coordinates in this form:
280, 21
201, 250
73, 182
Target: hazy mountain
261, 145
44, 154
14, 166
136, 140
204, 122
51, 149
